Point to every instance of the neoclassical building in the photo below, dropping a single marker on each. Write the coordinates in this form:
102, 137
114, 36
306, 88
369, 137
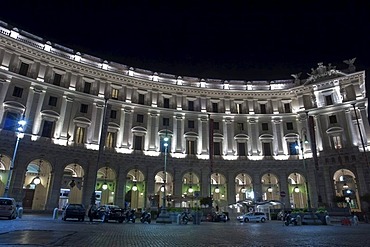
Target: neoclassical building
94, 125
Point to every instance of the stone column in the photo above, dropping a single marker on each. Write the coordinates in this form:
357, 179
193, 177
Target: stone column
278, 132
229, 137
121, 185
93, 133
203, 124
4, 87
231, 194
54, 187
178, 130
152, 135
253, 131
351, 131
34, 105
365, 124
318, 132
126, 140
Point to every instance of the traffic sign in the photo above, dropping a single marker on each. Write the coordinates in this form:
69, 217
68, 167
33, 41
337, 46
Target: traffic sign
282, 193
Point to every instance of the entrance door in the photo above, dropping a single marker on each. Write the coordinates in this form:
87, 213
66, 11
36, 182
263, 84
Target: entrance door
28, 198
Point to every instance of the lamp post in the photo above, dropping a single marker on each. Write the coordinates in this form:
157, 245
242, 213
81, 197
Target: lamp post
20, 134
302, 142
164, 217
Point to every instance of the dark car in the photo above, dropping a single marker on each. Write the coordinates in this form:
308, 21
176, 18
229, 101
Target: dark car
107, 212
74, 211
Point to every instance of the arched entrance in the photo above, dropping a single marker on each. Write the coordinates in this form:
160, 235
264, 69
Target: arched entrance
72, 185
190, 185
105, 186
36, 184
162, 189
346, 193
4, 172
135, 189
243, 187
270, 187
297, 191
219, 190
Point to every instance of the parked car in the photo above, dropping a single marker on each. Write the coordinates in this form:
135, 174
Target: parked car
254, 216
217, 217
8, 208
74, 211
107, 212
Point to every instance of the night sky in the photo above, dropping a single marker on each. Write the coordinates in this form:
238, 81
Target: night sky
248, 40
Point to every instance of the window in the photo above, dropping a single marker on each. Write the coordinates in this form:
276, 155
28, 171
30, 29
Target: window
239, 108
140, 118
240, 126
111, 140
17, 92
241, 149
214, 107
138, 143
47, 130
190, 105
53, 101
333, 119
141, 99
337, 141
115, 92
10, 122
191, 124
166, 121
287, 108
87, 87
266, 149
217, 148
166, 102
265, 126
57, 79
190, 147
84, 108
216, 125
289, 126
263, 108
23, 70
113, 114
80, 135
328, 100
293, 148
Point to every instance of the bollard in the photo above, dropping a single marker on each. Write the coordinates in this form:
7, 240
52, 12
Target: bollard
327, 220
20, 212
55, 213
178, 219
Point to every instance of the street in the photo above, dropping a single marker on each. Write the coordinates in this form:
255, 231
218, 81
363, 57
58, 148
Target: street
42, 230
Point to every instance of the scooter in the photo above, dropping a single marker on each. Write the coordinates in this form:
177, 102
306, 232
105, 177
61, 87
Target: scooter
130, 216
146, 217
290, 220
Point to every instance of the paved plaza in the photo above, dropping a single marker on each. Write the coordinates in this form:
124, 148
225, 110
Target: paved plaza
42, 230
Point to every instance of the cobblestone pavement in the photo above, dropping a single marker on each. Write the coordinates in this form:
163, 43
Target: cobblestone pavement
41, 230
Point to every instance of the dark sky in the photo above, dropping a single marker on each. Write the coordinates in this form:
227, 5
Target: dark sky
209, 39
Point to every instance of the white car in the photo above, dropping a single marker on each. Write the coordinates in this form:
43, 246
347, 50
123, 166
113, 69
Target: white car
256, 217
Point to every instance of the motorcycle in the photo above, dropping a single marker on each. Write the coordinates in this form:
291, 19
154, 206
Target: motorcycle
290, 220
130, 216
146, 217
184, 218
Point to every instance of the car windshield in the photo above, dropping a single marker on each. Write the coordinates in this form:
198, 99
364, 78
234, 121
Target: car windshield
75, 206
5, 202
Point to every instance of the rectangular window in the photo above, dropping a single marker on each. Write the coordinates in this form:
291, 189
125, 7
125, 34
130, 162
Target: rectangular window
140, 118
190, 147
190, 105
166, 102
191, 124
87, 87
265, 126
287, 108
239, 108
113, 114
328, 100
333, 119
293, 148
47, 130
17, 92
216, 125
111, 140
57, 79
266, 148
217, 148
240, 126
214, 107
337, 142
23, 70
84, 108
141, 99
10, 122
80, 135
138, 143
241, 149
53, 101
115, 93
263, 108
289, 126
166, 121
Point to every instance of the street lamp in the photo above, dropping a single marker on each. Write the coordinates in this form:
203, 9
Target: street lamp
302, 142
164, 217
20, 134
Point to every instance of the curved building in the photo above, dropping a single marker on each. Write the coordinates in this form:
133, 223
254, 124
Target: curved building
94, 125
